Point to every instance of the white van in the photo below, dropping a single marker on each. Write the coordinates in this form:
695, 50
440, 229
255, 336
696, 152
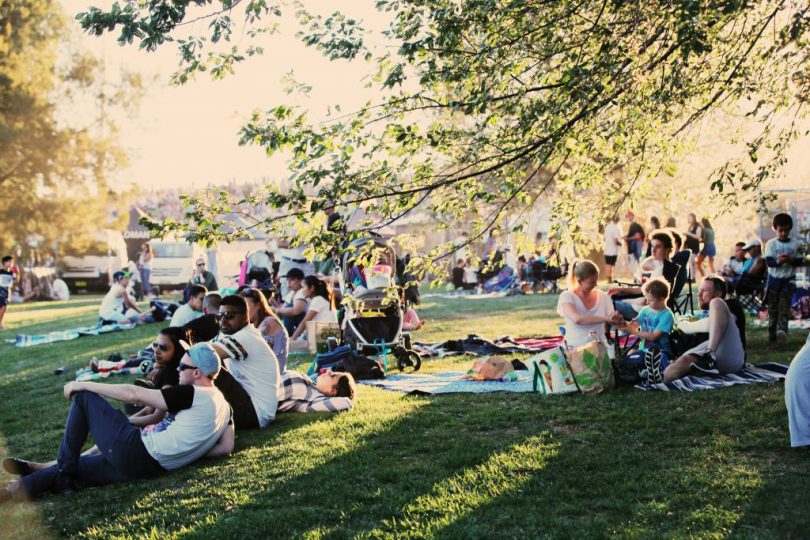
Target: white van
93, 269
173, 262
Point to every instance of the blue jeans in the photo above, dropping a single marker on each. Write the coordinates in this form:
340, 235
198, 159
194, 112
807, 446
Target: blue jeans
123, 456
146, 275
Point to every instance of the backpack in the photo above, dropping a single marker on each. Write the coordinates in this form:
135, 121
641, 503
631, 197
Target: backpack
361, 367
329, 359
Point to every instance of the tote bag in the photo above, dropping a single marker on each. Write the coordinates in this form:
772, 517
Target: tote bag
593, 371
551, 373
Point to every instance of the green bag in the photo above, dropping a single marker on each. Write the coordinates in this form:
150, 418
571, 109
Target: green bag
592, 368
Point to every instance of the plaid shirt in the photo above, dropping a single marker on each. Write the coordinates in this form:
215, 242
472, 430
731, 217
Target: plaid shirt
298, 393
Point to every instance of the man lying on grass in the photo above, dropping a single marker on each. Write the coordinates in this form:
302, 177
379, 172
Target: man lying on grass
199, 423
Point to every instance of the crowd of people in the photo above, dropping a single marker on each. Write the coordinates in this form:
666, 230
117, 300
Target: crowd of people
222, 371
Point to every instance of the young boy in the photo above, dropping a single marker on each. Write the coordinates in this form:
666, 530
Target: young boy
653, 325
6, 281
781, 258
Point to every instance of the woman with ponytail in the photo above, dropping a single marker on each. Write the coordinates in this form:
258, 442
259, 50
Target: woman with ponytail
585, 308
320, 304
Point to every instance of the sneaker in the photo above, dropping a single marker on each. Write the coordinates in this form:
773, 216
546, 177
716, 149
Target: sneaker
20, 467
707, 364
781, 336
652, 363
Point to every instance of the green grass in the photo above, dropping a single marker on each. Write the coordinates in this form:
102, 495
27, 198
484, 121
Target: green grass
622, 464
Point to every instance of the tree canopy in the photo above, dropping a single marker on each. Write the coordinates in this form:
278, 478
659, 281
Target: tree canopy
487, 105
54, 169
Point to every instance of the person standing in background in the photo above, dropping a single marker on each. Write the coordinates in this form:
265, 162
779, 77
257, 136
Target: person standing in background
613, 241
708, 251
635, 242
694, 233
655, 224
145, 267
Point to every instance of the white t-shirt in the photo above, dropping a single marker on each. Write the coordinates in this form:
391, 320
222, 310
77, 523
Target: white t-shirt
113, 302
253, 364
321, 306
60, 290
470, 275
197, 417
579, 334
613, 238
184, 314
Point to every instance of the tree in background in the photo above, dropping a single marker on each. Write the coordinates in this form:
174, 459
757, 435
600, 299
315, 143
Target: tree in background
54, 165
487, 105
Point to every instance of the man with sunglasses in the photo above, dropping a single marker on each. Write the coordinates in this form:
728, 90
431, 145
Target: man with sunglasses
198, 423
250, 376
191, 309
203, 277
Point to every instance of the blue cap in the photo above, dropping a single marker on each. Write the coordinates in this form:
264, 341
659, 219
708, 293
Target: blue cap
205, 359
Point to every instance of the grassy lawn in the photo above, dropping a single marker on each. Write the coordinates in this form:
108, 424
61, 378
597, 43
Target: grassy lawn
622, 464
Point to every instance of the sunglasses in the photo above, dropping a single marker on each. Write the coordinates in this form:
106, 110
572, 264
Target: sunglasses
200, 264
228, 315
182, 367
162, 346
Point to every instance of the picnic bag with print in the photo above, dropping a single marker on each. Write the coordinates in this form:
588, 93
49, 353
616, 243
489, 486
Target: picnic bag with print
593, 371
551, 373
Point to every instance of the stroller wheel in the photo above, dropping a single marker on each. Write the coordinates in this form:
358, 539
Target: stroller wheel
409, 362
406, 341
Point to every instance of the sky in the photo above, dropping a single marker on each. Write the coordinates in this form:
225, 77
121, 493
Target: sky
187, 136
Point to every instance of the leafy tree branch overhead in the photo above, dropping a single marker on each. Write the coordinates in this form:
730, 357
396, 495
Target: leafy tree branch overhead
487, 105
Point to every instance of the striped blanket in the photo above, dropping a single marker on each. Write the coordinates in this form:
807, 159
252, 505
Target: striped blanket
29, 340
750, 374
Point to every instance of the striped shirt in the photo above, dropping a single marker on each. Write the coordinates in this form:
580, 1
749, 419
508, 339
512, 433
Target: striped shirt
299, 394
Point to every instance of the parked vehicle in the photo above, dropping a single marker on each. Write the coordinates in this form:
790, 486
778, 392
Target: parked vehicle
173, 262
93, 269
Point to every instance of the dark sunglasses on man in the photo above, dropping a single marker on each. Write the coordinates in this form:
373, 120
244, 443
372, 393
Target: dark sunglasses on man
200, 265
182, 367
227, 315
162, 346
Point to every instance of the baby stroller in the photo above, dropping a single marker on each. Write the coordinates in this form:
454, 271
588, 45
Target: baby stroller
372, 320
258, 267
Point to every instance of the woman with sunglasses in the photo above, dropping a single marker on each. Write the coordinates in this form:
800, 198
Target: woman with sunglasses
320, 304
268, 323
168, 353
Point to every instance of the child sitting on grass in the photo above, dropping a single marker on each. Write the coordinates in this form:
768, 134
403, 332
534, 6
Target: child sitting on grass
653, 325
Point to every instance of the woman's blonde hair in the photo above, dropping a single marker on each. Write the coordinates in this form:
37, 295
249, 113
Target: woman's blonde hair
580, 270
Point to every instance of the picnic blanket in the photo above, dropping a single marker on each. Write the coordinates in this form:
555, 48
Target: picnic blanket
450, 382
750, 374
29, 340
474, 344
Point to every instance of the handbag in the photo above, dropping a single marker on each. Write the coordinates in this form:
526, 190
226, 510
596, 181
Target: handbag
551, 373
592, 369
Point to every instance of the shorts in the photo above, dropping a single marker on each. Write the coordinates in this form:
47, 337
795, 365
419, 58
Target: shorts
3, 299
708, 250
610, 260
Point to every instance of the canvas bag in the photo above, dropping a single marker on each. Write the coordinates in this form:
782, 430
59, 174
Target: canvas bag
318, 333
551, 373
593, 371
490, 368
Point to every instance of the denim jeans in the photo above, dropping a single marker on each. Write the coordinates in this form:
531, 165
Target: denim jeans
123, 455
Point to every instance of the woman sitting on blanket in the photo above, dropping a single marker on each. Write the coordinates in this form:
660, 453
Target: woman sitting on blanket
585, 308
268, 323
168, 352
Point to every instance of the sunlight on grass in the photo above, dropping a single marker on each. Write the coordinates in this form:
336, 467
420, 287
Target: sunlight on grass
502, 474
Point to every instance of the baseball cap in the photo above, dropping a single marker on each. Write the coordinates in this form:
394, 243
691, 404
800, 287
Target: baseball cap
118, 276
205, 358
295, 273
751, 243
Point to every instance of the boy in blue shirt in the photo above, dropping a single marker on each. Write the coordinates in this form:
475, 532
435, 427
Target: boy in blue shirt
781, 256
653, 325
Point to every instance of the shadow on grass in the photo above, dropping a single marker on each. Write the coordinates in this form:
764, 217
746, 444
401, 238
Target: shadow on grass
468, 466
